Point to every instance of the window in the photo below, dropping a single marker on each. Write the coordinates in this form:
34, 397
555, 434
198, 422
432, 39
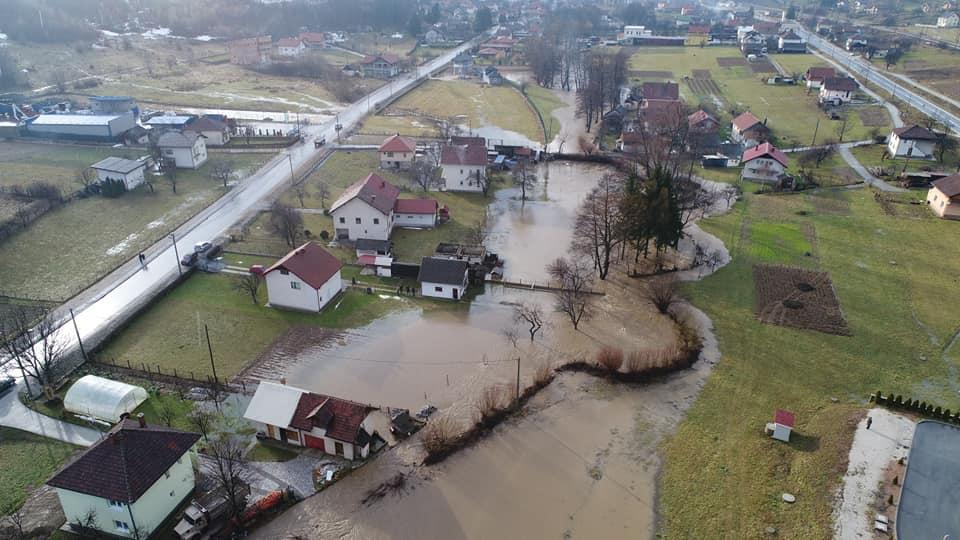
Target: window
338, 448
121, 525
116, 505
295, 285
438, 289
343, 220
358, 221
389, 154
376, 221
284, 272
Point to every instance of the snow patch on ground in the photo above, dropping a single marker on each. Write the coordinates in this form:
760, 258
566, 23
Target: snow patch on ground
204, 38
156, 33
123, 245
887, 440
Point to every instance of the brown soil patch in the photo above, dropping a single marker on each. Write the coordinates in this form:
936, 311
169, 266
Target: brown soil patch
703, 87
830, 205
651, 74
936, 74
701, 73
873, 116
762, 66
286, 349
798, 298
731, 61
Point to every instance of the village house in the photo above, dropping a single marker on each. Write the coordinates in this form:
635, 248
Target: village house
491, 76
630, 142
838, 90
748, 130
700, 121
653, 92
950, 20
764, 163
753, 43
213, 131
332, 425
913, 141
365, 209
944, 197
463, 66
250, 51
443, 278
168, 122
305, 279
381, 66
131, 480
816, 75
418, 213
313, 40
856, 43
129, 171
290, 47
790, 42
463, 167
397, 152
187, 150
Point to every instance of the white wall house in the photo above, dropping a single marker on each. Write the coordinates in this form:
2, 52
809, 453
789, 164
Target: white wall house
132, 479
748, 129
290, 47
764, 163
397, 152
950, 20
913, 141
838, 90
463, 167
306, 279
214, 132
365, 210
188, 150
443, 278
333, 425
415, 213
944, 197
126, 170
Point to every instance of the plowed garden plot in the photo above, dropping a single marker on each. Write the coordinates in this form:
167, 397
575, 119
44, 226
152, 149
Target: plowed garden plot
651, 74
873, 116
703, 87
762, 66
286, 349
798, 298
731, 61
701, 73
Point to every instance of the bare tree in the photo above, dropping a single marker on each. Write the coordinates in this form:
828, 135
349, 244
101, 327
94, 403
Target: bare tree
226, 466
322, 193
86, 525
478, 233
531, 315
170, 174
16, 520
86, 177
573, 279
60, 80
29, 337
166, 413
222, 170
301, 192
525, 178
662, 293
248, 284
597, 228
202, 421
286, 222
424, 174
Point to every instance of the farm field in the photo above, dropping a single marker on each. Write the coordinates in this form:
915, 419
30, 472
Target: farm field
28, 460
23, 163
791, 113
373, 43
894, 290
931, 66
71, 247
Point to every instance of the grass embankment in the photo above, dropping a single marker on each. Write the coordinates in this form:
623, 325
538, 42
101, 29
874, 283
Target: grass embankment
546, 102
792, 114
341, 170
723, 477
26, 461
70, 248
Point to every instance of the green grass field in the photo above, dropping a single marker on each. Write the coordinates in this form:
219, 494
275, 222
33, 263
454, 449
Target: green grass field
22, 163
26, 461
68, 249
791, 113
546, 102
872, 156
723, 477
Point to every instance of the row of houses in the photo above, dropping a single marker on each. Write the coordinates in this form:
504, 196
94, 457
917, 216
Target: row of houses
463, 160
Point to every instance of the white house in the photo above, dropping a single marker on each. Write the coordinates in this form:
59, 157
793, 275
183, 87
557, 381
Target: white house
415, 213
187, 150
443, 278
463, 167
365, 209
838, 90
214, 132
944, 197
306, 279
290, 47
126, 170
131, 480
748, 129
950, 20
764, 163
816, 75
333, 425
397, 152
913, 141
789, 41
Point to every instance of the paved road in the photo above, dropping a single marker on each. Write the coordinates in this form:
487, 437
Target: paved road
16, 415
859, 66
848, 156
118, 295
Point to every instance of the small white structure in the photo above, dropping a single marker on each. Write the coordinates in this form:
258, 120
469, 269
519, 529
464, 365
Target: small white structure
305, 279
415, 213
397, 152
443, 278
214, 132
782, 425
365, 209
129, 171
464, 167
103, 399
912, 141
187, 150
950, 20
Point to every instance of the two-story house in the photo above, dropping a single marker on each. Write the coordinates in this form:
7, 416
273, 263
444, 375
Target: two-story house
290, 47
463, 167
397, 152
215, 132
365, 209
838, 90
764, 163
912, 141
944, 197
186, 150
815, 76
748, 130
381, 66
130, 481
305, 279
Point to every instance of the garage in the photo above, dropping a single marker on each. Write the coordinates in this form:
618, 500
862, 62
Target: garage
313, 442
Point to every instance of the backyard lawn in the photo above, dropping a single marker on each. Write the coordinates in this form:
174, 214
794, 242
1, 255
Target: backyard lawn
895, 290
70, 248
872, 156
546, 102
26, 461
22, 163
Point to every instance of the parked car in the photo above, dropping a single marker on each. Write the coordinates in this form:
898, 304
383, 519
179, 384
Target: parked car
189, 259
6, 383
200, 247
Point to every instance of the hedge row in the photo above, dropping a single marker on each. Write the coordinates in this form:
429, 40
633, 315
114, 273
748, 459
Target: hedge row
915, 405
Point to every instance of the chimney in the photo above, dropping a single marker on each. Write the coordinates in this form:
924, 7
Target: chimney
141, 420
283, 381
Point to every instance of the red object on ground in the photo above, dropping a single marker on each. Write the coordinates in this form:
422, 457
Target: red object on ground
784, 418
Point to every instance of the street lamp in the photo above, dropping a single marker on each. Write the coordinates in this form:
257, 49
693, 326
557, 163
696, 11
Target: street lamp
176, 253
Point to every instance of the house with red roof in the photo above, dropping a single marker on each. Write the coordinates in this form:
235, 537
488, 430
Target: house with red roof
764, 163
913, 141
944, 197
838, 90
290, 47
748, 130
306, 279
464, 167
333, 425
701, 121
415, 213
313, 40
132, 479
816, 75
397, 152
370, 208
381, 66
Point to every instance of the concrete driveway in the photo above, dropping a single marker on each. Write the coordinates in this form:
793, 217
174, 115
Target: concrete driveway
14, 414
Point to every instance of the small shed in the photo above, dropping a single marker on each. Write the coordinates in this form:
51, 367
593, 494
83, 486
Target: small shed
104, 399
782, 425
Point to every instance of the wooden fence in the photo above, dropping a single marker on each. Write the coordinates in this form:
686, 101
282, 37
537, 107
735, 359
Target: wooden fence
928, 410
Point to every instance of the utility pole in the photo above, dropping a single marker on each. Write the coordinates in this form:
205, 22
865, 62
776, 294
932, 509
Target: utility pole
815, 130
293, 179
518, 379
213, 366
176, 253
26, 377
79, 339
338, 127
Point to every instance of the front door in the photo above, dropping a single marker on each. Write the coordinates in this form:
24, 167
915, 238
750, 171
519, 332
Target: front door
456, 293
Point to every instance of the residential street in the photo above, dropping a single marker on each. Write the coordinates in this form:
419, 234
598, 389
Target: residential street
14, 414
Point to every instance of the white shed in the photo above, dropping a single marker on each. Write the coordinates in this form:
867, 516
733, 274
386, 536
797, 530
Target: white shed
101, 398
782, 425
